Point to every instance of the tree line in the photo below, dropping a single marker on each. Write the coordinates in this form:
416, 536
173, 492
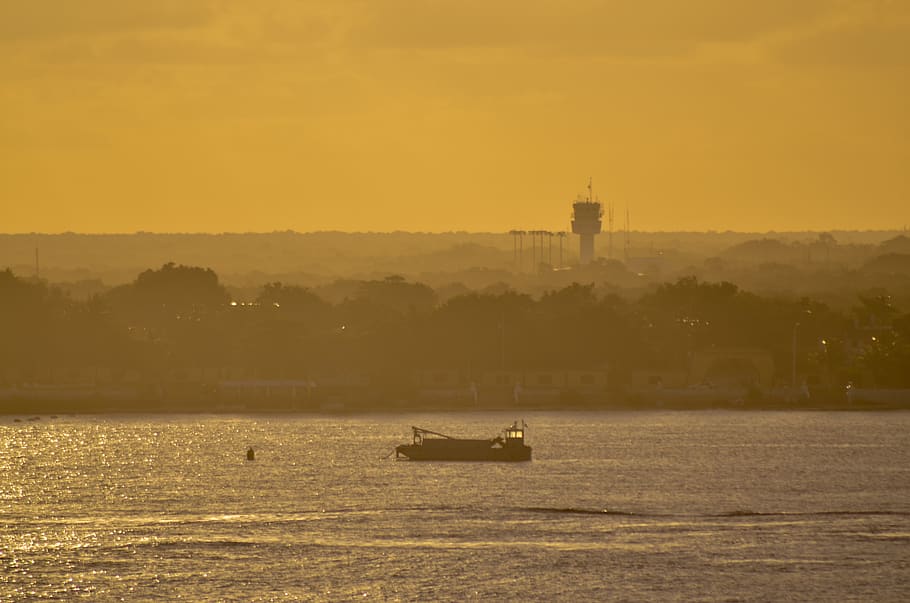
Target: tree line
183, 317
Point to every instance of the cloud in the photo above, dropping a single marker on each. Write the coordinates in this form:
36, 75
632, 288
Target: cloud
96, 33
584, 27
850, 45
613, 28
42, 19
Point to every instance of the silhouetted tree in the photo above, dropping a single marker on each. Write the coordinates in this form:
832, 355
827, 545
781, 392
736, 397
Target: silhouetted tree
398, 295
170, 292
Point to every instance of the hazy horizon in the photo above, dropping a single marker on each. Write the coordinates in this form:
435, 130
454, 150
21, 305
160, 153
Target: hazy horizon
899, 229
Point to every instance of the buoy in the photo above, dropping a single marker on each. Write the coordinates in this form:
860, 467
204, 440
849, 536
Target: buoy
250, 455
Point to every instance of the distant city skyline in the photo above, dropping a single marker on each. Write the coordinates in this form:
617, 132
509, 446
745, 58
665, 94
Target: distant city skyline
194, 116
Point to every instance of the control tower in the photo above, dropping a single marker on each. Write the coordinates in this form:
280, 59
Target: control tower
586, 223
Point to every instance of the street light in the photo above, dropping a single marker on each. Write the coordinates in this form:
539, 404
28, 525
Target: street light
827, 364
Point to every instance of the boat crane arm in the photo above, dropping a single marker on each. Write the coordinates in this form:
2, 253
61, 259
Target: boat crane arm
421, 431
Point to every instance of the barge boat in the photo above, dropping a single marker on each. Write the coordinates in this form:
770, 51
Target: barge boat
429, 445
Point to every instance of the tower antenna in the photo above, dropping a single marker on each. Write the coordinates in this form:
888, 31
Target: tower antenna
627, 244
610, 222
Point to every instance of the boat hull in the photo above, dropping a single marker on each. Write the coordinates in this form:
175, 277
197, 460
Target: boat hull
463, 450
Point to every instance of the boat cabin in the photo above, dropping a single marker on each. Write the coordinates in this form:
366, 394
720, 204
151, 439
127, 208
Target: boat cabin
515, 434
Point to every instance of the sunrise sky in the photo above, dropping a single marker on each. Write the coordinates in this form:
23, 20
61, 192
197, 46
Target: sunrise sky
231, 115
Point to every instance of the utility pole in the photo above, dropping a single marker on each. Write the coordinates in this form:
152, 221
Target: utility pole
550, 248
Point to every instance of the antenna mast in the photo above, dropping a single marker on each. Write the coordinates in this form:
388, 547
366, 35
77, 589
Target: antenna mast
628, 244
610, 222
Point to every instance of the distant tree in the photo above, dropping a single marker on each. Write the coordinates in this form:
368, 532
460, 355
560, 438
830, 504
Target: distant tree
875, 310
397, 295
19, 296
447, 292
299, 302
889, 263
42, 328
171, 316
479, 330
339, 290
497, 288
576, 329
181, 287
688, 315
573, 298
29, 312
886, 356
764, 250
170, 292
277, 347
901, 326
715, 264
899, 244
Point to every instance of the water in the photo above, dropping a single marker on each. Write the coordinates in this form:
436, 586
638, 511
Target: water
615, 506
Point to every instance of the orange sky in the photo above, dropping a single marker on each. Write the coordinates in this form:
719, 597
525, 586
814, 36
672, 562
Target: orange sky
231, 115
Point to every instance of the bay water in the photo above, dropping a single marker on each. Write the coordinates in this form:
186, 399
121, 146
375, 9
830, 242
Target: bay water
710, 505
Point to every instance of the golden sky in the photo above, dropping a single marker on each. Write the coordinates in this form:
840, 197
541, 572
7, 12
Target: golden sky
436, 115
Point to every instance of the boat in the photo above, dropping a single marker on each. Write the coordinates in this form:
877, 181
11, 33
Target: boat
429, 445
